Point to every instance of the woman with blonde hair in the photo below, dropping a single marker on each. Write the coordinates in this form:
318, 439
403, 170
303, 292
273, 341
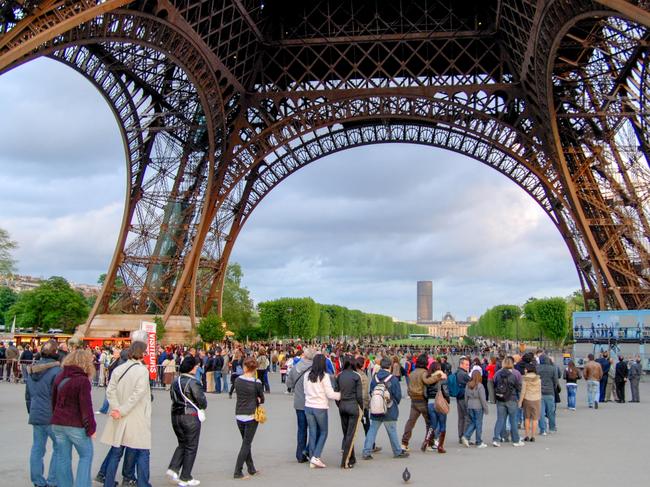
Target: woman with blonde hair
530, 399
73, 419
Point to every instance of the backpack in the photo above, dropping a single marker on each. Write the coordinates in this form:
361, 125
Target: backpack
452, 385
380, 399
503, 389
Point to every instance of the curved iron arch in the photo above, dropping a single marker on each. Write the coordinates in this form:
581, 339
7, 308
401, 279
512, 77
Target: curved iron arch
334, 139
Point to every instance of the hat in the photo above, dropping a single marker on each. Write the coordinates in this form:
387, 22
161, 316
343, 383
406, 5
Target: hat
187, 365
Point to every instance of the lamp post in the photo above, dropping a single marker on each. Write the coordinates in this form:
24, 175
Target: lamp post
289, 311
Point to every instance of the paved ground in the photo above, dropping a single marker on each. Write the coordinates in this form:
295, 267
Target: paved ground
595, 448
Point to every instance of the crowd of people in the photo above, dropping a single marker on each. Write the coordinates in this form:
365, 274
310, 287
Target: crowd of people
364, 381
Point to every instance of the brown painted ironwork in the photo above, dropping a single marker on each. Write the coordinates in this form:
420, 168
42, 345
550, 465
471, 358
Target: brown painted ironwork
220, 100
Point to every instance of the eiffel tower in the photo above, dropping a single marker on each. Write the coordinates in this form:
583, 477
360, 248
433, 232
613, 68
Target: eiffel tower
219, 101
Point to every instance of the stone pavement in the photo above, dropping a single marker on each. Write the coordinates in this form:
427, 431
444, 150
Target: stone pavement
594, 448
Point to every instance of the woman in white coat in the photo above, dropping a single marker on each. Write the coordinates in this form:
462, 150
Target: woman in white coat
129, 424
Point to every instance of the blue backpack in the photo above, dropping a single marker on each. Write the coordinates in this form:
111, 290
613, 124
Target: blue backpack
452, 385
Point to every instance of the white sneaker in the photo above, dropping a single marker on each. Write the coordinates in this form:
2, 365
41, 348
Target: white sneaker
316, 463
464, 441
188, 483
544, 433
519, 443
406, 448
173, 476
496, 444
481, 445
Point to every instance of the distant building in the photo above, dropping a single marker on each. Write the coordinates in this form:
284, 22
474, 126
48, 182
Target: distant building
449, 327
20, 283
425, 302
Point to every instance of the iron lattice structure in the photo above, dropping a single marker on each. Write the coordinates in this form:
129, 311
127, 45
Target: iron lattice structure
219, 101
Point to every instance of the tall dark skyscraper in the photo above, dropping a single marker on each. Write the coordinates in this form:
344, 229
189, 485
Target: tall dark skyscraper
425, 301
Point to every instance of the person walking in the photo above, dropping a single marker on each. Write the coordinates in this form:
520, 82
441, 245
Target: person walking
129, 425
437, 418
548, 376
530, 399
571, 376
507, 387
350, 387
462, 378
237, 367
295, 382
250, 394
620, 378
389, 388
634, 374
263, 365
169, 371
318, 389
73, 419
38, 398
420, 378
491, 369
593, 374
188, 399
477, 407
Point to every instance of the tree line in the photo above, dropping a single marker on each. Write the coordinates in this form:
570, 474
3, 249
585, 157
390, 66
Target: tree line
537, 319
307, 319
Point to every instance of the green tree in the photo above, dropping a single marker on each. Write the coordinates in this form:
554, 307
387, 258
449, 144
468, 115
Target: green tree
551, 316
160, 328
7, 246
324, 325
237, 304
7, 298
211, 328
53, 304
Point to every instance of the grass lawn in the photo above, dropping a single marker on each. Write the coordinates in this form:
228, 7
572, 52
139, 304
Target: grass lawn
423, 342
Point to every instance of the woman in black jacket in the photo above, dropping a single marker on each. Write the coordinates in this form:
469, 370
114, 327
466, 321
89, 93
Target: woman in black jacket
437, 420
250, 394
187, 399
350, 408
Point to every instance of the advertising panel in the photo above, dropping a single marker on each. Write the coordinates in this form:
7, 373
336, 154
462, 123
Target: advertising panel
150, 358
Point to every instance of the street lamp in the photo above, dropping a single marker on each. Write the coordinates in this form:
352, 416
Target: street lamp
289, 311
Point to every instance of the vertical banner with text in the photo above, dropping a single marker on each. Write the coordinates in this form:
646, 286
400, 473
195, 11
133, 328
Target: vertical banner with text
150, 359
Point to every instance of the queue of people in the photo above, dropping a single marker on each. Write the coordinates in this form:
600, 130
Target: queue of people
365, 384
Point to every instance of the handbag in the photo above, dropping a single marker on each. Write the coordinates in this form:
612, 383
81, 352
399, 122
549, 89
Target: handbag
200, 413
440, 404
260, 414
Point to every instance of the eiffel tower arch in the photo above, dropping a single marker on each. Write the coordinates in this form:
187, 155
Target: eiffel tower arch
220, 101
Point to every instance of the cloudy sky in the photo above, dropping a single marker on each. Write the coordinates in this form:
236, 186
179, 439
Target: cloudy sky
357, 228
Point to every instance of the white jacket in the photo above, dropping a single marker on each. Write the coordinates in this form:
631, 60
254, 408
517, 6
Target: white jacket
317, 393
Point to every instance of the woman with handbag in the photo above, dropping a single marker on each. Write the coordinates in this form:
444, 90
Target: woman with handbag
188, 405
250, 395
438, 406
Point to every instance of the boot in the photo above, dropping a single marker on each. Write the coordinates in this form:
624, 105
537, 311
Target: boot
428, 439
441, 442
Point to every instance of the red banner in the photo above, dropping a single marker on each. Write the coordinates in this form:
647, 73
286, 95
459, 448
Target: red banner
150, 358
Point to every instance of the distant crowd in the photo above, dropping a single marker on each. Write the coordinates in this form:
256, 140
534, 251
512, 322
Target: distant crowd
363, 379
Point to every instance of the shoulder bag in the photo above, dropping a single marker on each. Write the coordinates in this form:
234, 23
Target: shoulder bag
199, 412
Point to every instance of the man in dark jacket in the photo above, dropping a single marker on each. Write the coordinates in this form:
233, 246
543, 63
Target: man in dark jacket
295, 382
389, 420
605, 364
462, 378
38, 399
634, 374
620, 378
548, 375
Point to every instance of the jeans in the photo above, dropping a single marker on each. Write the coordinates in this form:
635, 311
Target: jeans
301, 448
475, 417
128, 465
104, 408
225, 382
506, 411
217, 382
247, 430
462, 416
418, 408
571, 391
438, 421
187, 429
263, 376
317, 424
65, 437
391, 429
593, 392
141, 460
602, 388
547, 411
40, 434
